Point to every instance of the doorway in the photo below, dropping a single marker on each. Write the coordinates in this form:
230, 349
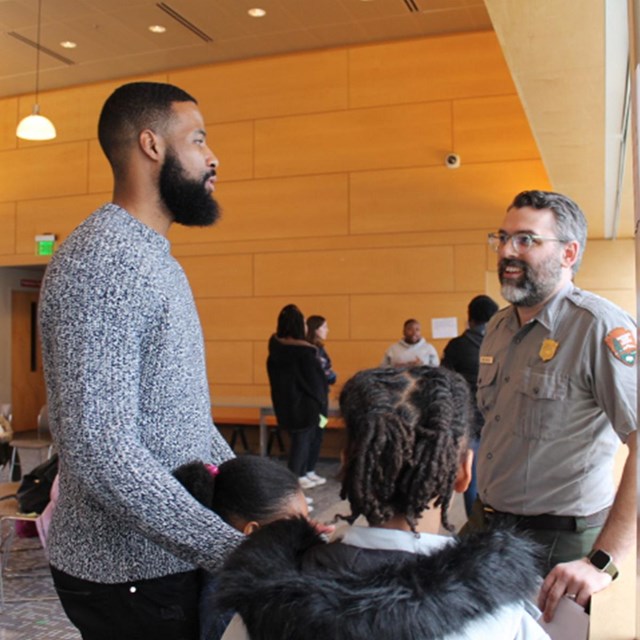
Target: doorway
28, 392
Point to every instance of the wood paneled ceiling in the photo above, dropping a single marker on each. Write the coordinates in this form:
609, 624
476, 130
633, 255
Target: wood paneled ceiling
556, 51
113, 38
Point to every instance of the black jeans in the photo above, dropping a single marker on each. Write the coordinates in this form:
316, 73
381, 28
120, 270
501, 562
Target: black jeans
305, 450
162, 608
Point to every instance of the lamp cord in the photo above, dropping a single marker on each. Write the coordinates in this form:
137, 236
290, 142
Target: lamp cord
38, 51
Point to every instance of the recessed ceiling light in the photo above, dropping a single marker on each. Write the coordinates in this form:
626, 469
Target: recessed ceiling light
157, 28
257, 12
67, 44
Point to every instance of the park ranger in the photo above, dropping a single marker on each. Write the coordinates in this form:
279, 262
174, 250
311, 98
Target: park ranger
557, 387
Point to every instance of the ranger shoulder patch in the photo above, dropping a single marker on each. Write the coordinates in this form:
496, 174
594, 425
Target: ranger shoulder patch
622, 344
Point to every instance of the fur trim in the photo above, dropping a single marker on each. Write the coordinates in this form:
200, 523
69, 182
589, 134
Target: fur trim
294, 342
416, 596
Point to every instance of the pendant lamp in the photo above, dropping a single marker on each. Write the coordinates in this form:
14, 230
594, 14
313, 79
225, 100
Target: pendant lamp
35, 126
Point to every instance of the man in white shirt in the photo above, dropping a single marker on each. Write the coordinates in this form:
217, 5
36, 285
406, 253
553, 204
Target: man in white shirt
413, 350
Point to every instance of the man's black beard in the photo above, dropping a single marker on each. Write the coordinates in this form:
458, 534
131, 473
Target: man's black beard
188, 200
533, 287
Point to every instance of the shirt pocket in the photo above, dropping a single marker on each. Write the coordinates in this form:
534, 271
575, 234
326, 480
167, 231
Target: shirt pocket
487, 388
542, 404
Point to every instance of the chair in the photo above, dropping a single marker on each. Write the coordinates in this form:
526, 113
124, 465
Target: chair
41, 444
5, 410
238, 432
6, 434
9, 516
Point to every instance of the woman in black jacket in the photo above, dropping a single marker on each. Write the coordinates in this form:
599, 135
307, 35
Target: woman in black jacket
298, 391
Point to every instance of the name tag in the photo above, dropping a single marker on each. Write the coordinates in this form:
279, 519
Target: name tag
486, 359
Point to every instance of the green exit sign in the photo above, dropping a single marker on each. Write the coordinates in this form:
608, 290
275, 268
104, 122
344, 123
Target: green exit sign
45, 244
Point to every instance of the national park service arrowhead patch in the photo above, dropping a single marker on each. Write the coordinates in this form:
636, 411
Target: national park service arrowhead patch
622, 343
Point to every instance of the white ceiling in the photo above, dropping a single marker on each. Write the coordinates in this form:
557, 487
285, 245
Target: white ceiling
114, 41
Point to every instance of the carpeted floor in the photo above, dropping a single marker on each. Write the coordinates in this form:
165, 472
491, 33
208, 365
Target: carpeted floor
32, 611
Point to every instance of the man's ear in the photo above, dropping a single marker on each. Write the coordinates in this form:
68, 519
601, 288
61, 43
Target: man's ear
151, 144
463, 479
570, 253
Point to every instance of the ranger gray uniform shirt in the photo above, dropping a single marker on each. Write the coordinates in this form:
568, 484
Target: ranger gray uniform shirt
558, 394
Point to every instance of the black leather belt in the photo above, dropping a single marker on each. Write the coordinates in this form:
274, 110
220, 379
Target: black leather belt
546, 520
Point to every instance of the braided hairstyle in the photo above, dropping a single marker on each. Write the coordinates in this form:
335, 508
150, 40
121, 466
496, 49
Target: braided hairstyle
407, 432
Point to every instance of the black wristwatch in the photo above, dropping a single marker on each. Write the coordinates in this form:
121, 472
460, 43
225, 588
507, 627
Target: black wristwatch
603, 561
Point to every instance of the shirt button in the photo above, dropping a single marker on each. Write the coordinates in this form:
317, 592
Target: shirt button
489, 456
517, 341
132, 589
497, 418
507, 378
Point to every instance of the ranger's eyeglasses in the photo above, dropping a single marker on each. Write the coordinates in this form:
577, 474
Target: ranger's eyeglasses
521, 242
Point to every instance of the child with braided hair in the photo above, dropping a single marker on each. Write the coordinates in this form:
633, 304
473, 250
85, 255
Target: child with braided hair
406, 455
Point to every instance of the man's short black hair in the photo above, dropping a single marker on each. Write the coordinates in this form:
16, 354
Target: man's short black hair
481, 308
129, 110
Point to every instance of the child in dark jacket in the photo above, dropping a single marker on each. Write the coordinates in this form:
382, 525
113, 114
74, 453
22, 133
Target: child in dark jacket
406, 454
247, 493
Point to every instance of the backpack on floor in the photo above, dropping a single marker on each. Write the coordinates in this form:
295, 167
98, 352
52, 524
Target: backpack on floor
35, 487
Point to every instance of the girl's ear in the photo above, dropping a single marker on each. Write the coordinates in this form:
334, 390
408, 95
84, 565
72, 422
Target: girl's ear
250, 527
463, 479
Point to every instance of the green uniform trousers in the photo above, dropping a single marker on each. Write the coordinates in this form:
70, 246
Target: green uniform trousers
559, 546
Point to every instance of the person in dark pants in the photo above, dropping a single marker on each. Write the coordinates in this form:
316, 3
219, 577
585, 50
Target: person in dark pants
127, 388
317, 332
462, 354
298, 391
558, 389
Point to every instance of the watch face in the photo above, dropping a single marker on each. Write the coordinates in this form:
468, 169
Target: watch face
600, 559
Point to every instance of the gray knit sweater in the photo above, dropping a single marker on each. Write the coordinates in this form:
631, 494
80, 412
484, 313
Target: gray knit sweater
128, 403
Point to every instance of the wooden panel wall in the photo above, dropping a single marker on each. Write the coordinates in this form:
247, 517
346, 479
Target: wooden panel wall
334, 192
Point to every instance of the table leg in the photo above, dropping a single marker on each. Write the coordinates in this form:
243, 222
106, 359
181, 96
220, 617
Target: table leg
263, 432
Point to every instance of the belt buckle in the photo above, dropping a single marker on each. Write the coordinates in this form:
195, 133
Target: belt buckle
488, 512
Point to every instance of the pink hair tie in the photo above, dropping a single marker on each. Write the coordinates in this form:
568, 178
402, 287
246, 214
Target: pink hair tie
212, 469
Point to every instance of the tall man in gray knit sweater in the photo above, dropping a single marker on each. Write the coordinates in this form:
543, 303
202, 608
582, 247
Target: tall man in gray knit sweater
127, 388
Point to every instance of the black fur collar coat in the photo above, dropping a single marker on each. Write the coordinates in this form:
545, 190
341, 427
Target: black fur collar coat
287, 584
